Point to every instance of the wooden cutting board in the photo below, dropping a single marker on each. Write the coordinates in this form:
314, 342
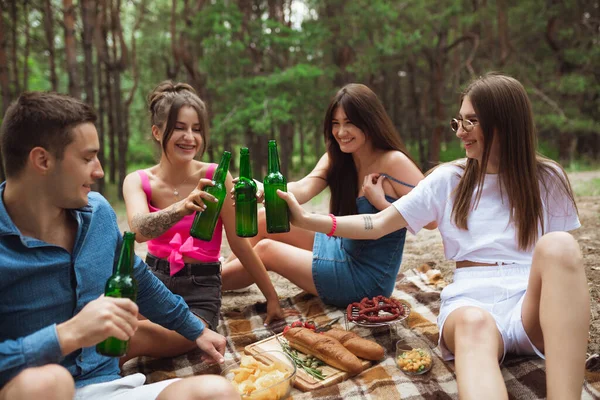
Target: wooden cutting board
304, 382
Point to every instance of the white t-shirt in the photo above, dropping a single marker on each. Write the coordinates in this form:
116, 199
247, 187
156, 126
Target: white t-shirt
491, 236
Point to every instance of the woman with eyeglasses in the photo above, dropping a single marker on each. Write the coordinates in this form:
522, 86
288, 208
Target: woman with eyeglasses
504, 214
366, 168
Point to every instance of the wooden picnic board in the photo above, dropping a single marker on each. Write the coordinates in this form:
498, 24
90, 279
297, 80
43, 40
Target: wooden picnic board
304, 382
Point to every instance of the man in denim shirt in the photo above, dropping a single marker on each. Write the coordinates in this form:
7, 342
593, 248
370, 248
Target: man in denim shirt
58, 245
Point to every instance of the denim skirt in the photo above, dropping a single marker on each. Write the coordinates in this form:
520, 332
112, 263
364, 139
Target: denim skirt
347, 270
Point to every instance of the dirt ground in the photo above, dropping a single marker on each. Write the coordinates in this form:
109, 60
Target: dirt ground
427, 247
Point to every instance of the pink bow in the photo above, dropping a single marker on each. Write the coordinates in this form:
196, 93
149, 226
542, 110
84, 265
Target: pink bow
179, 249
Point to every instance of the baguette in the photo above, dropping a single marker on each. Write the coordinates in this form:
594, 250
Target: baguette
325, 348
358, 346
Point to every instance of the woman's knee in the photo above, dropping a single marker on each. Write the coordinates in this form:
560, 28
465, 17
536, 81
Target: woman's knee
264, 249
561, 248
473, 324
218, 387
204, 387
47, 382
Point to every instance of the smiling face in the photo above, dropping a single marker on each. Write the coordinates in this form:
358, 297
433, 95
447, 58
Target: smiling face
186, 140
474, 141
71, 179
350, 138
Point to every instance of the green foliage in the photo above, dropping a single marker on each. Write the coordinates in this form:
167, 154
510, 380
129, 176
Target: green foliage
257, 71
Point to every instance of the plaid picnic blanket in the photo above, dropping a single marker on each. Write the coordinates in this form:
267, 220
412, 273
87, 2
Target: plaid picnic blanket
525, 377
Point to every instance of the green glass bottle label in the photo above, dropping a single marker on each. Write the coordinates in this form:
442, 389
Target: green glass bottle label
276, 209
246, 219
121, 284
205, 222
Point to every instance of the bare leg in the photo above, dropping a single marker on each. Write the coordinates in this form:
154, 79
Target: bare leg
153, 340
289, 261
204, 387
296, 236
51, 382
470, 333
556, 312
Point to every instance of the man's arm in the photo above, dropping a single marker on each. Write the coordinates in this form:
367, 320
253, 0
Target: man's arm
39, 348
161, 306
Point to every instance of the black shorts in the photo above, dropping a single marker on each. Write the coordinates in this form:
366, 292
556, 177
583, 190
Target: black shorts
198, 284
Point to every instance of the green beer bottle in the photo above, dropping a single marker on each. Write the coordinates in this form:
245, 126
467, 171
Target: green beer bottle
205, 221
246, 221
121, 284
278, 218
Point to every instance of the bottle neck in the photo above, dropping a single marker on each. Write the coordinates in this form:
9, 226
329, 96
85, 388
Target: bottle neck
273, 159
221, 171
245, 169
125, 264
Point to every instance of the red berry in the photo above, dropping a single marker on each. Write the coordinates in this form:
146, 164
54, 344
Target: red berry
310, 325
287, 328
297, 324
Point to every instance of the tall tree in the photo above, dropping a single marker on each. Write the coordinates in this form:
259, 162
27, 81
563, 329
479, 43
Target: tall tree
4, 79
27, 45
88, 19
107, 98
14, 16
49, 32
71, 48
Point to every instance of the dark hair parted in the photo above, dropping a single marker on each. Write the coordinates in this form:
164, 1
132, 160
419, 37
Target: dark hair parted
504, 114
40, 119
164, 103
364, 109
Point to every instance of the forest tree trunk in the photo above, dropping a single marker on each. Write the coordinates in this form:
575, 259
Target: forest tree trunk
49, 32
71, 48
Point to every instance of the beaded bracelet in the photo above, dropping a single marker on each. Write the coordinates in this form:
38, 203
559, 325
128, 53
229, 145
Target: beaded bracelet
333, 225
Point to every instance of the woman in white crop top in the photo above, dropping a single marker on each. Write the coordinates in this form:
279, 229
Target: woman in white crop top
503, 213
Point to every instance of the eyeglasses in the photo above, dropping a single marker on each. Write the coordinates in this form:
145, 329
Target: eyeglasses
467, 124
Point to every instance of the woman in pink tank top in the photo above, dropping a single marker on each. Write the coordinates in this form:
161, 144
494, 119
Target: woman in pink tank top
161, 202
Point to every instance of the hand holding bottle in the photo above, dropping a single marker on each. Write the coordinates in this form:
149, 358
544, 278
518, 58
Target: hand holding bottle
205, 220
297, 214
196, 200
260, 191
100, 319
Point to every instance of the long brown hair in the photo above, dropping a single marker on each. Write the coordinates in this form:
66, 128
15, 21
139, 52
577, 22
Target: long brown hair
504, 113
164, 103
365, 111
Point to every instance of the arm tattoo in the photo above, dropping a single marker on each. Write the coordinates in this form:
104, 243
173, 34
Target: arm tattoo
368, 222
153, 225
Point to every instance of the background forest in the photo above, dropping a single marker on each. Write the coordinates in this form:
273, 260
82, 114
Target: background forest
268, 68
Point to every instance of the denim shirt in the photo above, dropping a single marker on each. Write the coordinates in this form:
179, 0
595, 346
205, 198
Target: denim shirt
43, 285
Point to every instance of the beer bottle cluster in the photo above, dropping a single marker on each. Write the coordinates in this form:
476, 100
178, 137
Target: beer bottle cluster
246, 220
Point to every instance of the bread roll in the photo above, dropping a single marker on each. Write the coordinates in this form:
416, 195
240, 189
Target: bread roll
323, 347
358, 346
